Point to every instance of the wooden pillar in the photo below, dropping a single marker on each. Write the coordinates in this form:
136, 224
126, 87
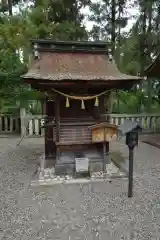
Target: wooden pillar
43, 107
102, 108
107, 100
57, 118
149, 93
110, 105
49, 144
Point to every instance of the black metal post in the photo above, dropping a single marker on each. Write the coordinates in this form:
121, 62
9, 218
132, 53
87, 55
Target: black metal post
104, 157
130, 177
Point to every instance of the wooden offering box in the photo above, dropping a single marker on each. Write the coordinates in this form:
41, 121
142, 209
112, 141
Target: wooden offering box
104, 132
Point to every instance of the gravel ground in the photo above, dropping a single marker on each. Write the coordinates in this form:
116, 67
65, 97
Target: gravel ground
97, 211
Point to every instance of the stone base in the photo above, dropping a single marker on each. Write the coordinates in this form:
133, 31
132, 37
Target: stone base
48, 176
47, 169
49, 163
69, 168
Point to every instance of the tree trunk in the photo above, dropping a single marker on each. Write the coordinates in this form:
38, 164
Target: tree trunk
119, 26
113, 39
143, 39
113, 22
143, 42
149, 47
10, 7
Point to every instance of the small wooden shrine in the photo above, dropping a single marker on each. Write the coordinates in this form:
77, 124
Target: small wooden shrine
76, 78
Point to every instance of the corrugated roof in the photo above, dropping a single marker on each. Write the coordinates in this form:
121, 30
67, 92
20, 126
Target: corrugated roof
75, 66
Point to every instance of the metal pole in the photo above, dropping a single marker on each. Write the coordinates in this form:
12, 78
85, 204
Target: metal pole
104, 157
130, 177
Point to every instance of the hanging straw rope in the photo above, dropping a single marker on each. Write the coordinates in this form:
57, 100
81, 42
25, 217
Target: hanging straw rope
81, 97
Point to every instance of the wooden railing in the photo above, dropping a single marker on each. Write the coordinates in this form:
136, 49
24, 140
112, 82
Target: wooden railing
149, 122
10, 124
31, 126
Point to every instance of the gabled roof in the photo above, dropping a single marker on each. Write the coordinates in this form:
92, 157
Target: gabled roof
74, 61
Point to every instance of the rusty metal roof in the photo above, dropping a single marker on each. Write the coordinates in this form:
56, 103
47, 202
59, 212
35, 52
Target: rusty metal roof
75, 66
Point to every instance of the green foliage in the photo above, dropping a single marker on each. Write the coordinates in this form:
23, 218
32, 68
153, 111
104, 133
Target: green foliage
134, 49
63, 20
60, 20
103, 17
129, 102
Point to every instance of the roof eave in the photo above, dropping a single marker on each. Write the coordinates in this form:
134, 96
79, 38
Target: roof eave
78, 43
71, 46
85, 78
150, 68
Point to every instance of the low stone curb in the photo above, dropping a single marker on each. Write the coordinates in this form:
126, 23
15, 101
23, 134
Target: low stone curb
47, 177
152, 143
51, 182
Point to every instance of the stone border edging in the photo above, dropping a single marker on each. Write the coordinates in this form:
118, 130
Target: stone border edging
74, 181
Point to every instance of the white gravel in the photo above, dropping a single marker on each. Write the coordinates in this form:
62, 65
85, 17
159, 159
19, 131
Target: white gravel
95, 211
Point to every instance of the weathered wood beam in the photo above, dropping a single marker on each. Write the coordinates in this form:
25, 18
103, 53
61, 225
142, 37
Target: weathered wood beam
50, 148
57, 118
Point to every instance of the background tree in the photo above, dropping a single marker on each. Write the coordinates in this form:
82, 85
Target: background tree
43, 19
133, 49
